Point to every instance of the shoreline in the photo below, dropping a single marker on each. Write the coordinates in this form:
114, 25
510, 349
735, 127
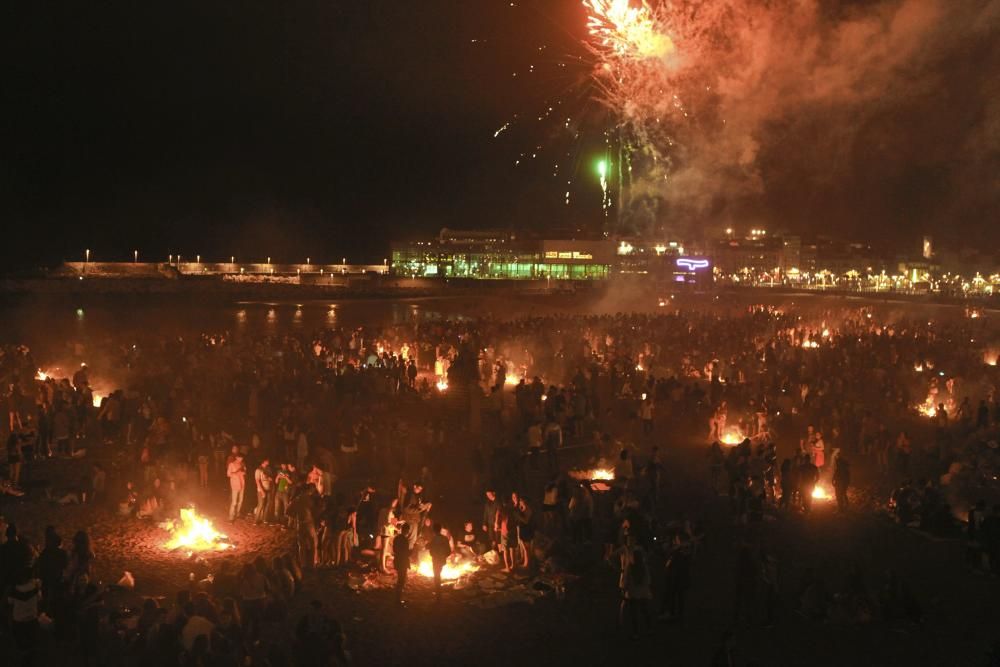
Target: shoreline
387, 288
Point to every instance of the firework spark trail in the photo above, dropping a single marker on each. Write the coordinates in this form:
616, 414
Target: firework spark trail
631, 45
602, 172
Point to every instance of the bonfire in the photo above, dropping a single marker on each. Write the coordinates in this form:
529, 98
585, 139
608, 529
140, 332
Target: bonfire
601, 473
820, 493
193, 532
732, 436
455, 568
929, 407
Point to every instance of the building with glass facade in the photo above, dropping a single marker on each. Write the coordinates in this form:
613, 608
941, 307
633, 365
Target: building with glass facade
499, 255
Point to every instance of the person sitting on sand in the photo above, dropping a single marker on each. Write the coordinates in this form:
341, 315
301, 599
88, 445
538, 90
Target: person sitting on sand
129, 502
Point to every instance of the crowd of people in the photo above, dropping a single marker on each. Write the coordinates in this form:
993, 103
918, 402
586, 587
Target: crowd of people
343, 438
235, 616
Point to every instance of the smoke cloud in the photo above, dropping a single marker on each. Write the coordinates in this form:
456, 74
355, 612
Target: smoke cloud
880, 119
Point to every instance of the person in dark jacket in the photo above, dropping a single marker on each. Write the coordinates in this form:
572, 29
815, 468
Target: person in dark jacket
841, 482
51, 565
401, 558
490, 508
440, 548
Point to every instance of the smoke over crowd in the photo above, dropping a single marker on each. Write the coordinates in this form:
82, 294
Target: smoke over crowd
867, 115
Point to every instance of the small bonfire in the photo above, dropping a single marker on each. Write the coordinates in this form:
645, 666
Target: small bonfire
821, 493
602, 473
455, 568
732, 436
193, 532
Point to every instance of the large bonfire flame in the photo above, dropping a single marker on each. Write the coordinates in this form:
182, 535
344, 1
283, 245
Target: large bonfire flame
194, 533
820, 493
456, 567
732, 436
929, 407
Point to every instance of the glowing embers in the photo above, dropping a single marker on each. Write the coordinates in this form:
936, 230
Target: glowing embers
193, 532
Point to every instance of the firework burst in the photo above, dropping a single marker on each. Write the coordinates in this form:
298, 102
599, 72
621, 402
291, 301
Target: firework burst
621, 95
633, 51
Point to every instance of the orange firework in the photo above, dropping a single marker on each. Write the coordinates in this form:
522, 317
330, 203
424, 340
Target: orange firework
626, 31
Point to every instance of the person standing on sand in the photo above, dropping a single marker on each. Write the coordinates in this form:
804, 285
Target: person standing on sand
265, 492
237, 474
401, 558
440, 549
841, 482
808, 476
283, 482
490, 508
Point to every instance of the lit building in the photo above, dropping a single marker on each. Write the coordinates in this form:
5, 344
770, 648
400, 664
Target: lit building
497, 255
757, 255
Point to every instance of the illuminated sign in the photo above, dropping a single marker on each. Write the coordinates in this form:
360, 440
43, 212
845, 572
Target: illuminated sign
692, 264
552, 254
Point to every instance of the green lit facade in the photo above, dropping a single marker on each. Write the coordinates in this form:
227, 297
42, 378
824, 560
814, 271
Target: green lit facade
501, 259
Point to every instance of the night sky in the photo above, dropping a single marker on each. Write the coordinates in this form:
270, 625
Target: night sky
326, 128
